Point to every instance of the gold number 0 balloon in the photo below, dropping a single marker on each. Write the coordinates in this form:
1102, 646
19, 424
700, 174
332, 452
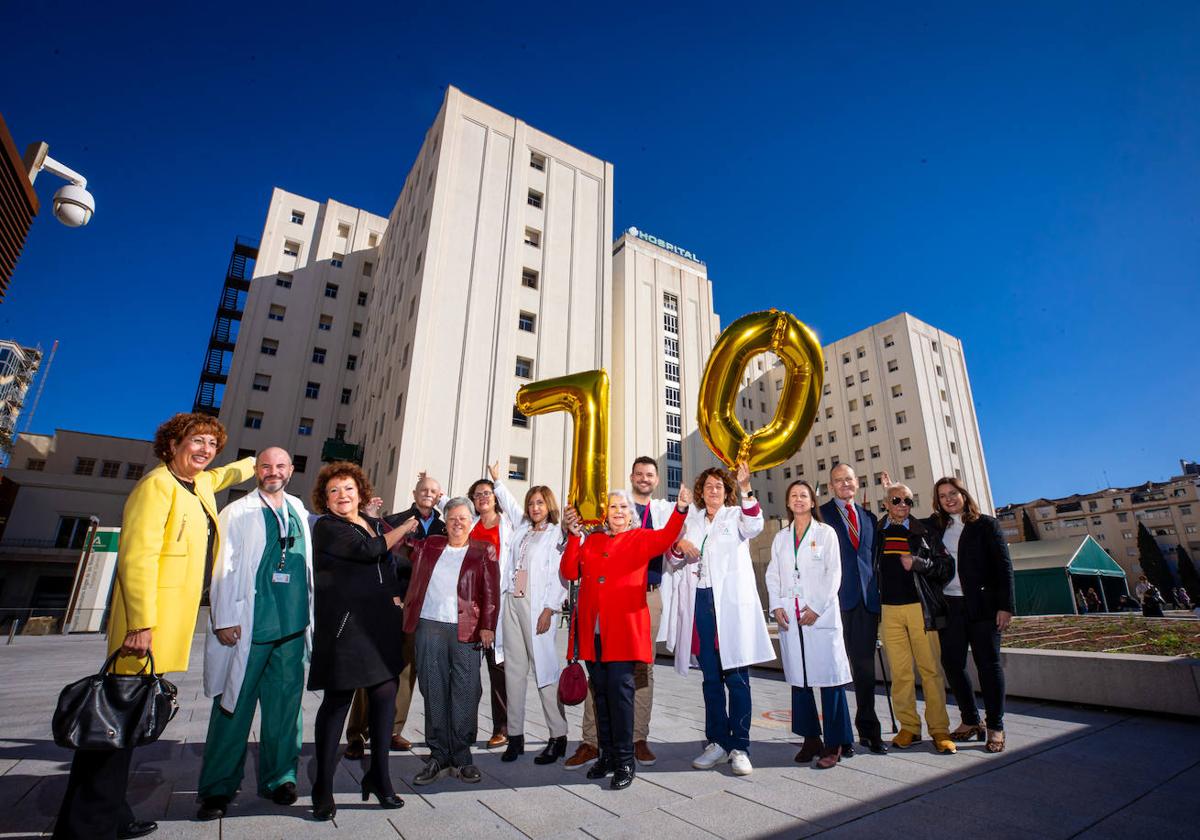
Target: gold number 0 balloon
797, 347
585, 397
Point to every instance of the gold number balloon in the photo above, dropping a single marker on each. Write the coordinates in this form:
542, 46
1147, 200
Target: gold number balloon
585, 397
797, 347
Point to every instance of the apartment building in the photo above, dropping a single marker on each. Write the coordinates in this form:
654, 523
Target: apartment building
1169, 509
18, 365
897, 399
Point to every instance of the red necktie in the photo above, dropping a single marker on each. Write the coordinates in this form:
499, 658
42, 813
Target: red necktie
852, 519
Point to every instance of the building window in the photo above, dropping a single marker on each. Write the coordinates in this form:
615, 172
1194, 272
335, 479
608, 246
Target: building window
888, 341
938, 368
901, 418
949, 422
671, 347
674, 424
818, 440
670, 302
36, 464
403, 360
827, 390
778, 384
253, 420
526, 321
300, 462
337, 260
519, 420
244, 453
110, 469
855, 430
529, 278
312, 390
799, 470
893, 366
318, 355
368, 269
351, 362
343, 231
828, 413
524, 367
910, 472
864, 376
537, 161
362, 298
331, 290
787, 472
291, 249
897, 391
518, 468
674, 450
933, 344
874, 451
346, 394
72, 531
833, 437
262, 382
1185, 510
872, 426
325, 324
135, 471
269, 347
820, 465
672, 397
905, 444
853, 405
859, 455
878, 478
859, 352
297, 217
868, 401
276, 312
535, 199
845, 358
672, 371
533, 237
834, 461
305, 429
849, 382
399, 405
671, 322
284, 280
954, 451
356, 330
85, 466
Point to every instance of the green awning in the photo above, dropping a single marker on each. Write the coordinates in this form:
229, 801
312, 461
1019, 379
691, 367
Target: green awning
1078, 555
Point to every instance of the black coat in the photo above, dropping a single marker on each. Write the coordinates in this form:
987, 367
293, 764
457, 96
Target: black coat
357, 630
984, 568
933, 567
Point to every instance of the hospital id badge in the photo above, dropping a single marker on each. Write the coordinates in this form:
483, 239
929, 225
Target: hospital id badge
281, 577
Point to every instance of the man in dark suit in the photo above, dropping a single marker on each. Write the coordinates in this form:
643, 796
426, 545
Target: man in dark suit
425, 498
859, 599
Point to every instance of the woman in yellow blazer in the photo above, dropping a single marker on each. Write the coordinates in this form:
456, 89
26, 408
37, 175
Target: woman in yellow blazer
168, 537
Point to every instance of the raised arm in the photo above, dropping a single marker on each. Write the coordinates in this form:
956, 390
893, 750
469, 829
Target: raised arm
232, 474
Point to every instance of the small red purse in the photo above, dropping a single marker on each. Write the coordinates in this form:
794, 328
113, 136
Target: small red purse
573, 682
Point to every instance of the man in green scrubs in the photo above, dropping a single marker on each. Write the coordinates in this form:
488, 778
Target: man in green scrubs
259, 639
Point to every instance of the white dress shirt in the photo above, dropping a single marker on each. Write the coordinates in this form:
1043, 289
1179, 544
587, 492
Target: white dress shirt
441, 597
950, 540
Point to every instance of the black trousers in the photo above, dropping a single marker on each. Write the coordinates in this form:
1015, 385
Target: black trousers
860, 631
984, 641
95, 805
613, 691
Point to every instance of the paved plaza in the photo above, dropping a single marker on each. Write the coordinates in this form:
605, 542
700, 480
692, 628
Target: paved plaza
1068, 772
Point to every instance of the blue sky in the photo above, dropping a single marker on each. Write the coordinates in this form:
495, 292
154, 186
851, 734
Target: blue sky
1022, 175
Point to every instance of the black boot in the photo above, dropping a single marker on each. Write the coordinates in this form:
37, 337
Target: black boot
556, 748
516, 747
622, 775
602, 767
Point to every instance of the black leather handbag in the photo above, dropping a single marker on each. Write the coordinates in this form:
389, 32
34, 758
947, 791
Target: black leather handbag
109, 711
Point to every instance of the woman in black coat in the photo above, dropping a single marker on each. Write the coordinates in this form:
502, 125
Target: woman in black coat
357, 640
980, 606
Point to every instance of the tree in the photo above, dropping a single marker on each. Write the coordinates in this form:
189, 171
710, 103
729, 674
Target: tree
1188, 575
1031, 533
1154, 565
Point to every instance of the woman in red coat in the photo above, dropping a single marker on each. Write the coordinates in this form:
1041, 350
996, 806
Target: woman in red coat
611, 567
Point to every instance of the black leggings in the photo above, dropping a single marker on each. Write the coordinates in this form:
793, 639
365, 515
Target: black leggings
331, 718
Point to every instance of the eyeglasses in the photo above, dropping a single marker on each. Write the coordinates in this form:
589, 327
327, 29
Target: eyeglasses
896, 500
483, 494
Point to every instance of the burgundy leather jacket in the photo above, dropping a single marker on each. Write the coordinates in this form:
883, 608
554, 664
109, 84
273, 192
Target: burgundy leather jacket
478, 585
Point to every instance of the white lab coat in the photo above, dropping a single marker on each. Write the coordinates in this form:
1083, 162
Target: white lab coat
741, 628
546, 589
231, 593
813, 656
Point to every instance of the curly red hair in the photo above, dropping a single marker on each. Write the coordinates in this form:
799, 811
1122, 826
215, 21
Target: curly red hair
182, 425
341, 469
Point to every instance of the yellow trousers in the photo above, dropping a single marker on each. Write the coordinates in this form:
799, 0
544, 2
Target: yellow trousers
905, 638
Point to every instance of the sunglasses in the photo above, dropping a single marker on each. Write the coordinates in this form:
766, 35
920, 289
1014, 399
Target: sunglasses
896, 500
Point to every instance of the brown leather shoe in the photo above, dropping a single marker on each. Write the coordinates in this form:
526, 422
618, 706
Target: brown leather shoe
905, 739
943, 744
829, 758
497, 740
810, 749
584, 756
354, 750
399, 742
643, 754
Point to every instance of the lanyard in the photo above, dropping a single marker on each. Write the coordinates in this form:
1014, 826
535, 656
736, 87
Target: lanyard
798, 543
285, 522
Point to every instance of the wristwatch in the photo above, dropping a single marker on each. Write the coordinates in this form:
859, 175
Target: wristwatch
749, 494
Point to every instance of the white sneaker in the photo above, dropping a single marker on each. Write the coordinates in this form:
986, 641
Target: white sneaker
712, 756
741, 763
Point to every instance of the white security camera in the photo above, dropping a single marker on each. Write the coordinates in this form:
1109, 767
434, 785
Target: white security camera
74, 206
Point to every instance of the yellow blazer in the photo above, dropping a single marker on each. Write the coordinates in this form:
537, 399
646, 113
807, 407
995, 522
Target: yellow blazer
160, 561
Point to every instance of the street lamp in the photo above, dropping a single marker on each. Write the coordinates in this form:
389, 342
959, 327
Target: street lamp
73, 204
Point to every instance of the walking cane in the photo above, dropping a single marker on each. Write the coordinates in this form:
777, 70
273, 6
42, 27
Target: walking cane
887, 685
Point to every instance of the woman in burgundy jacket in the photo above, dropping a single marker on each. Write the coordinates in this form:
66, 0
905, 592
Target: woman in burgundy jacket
452, 606
611, 567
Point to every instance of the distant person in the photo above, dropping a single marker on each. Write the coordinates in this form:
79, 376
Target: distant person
1139, 590
169, 536
1081, 601
858, 599
1094, 603
1182, 599
1152, 602
979, 600
912, 566
258, 639
802, 581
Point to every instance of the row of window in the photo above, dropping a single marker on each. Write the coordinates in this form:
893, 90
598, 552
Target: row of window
324, 322
270, 347
254, 420
87, 466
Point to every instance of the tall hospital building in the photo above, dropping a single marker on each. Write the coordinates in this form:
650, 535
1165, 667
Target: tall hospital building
409, 336
896, 399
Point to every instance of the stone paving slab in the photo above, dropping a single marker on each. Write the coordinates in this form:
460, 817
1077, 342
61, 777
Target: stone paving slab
1067, 772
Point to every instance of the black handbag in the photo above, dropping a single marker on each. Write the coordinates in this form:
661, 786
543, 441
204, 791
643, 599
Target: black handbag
109, 711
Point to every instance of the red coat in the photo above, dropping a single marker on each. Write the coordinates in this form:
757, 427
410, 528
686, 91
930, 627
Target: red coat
612, 573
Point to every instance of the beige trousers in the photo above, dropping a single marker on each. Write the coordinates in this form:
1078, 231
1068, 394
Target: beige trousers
518, 660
